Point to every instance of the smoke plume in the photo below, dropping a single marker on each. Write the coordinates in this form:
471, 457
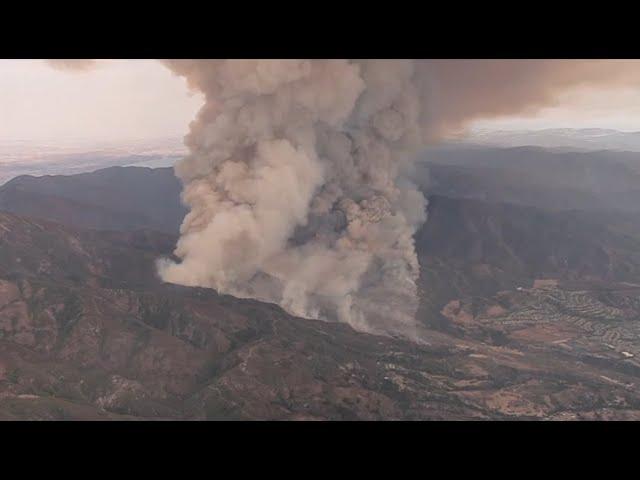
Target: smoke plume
293, 187
297, 177
464, 90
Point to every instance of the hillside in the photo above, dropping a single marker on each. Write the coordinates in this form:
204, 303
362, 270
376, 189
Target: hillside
602, 180
82, 339
117, 198
525, 313
468, 246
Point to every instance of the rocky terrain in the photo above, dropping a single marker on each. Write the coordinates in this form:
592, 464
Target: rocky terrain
525, 313
592, 327
98, 344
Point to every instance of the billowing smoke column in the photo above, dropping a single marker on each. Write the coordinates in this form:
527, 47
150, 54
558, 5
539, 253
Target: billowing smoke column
296, 184
295, 188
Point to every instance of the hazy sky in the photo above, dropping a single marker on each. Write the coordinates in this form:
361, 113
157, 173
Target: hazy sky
141, 99
615, 108
117, 100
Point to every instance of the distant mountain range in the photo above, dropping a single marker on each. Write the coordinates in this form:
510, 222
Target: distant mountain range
116, 198
535, 176
74, 156
559, 138
71, 157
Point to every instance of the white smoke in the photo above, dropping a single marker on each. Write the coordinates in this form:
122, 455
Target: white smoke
295, 187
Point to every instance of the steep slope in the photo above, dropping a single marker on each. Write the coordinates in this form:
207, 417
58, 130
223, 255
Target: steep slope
470, 247
88, 331
80, 341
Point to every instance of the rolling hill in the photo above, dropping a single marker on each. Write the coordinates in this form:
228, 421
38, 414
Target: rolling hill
116, 198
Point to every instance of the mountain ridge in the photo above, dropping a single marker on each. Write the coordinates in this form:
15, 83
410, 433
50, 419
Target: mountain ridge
581, 139
525, 313
103, 344
108, 199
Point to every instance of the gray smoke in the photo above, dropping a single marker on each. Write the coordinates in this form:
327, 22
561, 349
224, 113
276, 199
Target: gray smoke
296, 191
297, 178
